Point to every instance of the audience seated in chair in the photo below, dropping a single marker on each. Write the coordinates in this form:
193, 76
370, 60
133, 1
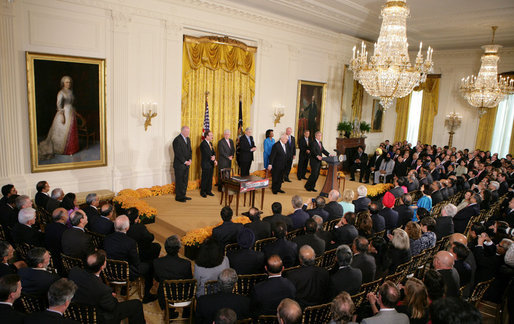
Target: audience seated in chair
362, 202
148, 249
260, 228
75, 241
35, 278
277, 216
209, 264
23, 232
10, 291
226, 233
91, 209
342, 309
54, 201
346, 278
41, 198
388, 297
92, 291
310, 238
345, 231
103, 224
289, 312
285, 249
404, 210
334, 208
7, 254
454, 310
299, 216
362, 260
246, 260
318, 208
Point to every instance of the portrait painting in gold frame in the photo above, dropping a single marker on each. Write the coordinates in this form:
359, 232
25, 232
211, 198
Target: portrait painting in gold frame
310, 107
377, 117
66, 99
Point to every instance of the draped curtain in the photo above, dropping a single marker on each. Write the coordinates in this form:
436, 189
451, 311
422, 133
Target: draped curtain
486, 129
429, 107
402, 118
357, 95
226, 69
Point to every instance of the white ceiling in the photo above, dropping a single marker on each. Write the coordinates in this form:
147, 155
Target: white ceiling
442, 24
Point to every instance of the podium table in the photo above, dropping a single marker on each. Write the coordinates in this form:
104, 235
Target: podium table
243, 185
332, 180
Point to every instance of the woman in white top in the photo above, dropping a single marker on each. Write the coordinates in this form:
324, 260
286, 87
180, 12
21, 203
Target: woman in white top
346, 203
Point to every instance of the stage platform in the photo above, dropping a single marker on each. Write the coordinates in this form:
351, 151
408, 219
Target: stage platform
174, 217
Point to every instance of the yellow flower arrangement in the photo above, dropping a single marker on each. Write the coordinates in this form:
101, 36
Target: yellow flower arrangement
198, 236
378, 189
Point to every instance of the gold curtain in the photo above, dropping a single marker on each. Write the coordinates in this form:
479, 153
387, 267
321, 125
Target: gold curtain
429, 107
226, 69
357, 95
402, 118
511, 146
486, 129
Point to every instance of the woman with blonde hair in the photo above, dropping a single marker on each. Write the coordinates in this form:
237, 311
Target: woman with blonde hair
399, 249
414, 232
415, 304
346, 203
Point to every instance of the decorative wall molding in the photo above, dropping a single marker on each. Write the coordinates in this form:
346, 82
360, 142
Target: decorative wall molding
120, 20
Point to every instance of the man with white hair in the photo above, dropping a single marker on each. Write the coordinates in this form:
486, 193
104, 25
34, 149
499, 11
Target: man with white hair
226, 150
245, 152
362, 202
119, 246
444, 223
91, 210
334, 209
277, 164
182, 160
54, 201
494, 186
23, 232
291, 149
23, 201
60, 295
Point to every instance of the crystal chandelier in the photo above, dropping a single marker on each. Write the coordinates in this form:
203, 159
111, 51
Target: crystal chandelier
486, 90
389, 74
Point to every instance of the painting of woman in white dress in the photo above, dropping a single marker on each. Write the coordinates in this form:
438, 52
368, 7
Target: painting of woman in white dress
67, 111
63, 135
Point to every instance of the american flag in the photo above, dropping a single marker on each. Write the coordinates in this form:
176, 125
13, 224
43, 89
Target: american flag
206, 122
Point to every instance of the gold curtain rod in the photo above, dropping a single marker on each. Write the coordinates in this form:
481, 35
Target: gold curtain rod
220, 40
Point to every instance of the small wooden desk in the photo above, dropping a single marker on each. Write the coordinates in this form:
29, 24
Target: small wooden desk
243, 185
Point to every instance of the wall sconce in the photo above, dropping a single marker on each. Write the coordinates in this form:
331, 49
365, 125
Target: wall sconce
146, 110
453, 121
278, 113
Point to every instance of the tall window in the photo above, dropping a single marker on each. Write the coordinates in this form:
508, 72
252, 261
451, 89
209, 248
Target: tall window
503, 127
416, 98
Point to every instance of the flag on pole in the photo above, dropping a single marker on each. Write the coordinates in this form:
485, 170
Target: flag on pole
206, 120
240, 123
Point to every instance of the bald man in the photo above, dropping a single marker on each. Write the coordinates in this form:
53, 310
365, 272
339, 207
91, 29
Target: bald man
119, 246
278, 160
311, 282
181, 162
289, 312
267, 294
443, 263
291, 153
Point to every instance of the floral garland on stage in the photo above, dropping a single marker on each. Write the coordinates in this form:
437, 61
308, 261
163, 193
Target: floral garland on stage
375, 191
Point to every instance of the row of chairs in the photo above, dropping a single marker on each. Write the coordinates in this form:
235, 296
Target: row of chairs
82, 313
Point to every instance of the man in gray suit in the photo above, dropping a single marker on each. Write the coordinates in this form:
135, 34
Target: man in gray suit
386, 170
226, 151
387, 299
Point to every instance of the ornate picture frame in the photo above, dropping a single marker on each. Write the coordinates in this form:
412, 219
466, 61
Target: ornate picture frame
66, 99
377, 117
310, 107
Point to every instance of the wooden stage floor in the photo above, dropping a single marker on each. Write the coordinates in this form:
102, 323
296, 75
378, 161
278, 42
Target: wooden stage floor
174, 217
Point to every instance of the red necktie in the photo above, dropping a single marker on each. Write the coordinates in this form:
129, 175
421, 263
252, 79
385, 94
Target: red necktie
319, 143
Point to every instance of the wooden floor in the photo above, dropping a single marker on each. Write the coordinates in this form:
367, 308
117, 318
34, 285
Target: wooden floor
174, 217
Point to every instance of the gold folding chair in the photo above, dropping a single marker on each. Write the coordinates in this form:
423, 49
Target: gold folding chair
117, 274
179, 294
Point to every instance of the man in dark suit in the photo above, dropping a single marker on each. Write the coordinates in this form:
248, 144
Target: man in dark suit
119, 246
226, 233
91, 210
345, 232
268, 294
54, 201
208, 305
373, 163
443, 263
148, 249
53, 235
171, 266
461, 219
7, 191
9, 215
75, 241
208, 164
362, 202
310, 238
397, 191
299, 216
278, 160
245, 260
504, 185
305, 150
10, 291
260, 228
412, 181
286, 250
318, 208
103, 224
362, 260
390, 215
291, 153
60, 295
23, 232
92, 291
245, 152
400, 167
346, 278
311, 282
277, 216
41, 197
6, 255
334, 209
317, 150
181, 162
404, 210
377, 219
226, 150
444, 223
360, 162
35, 279
436, 195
